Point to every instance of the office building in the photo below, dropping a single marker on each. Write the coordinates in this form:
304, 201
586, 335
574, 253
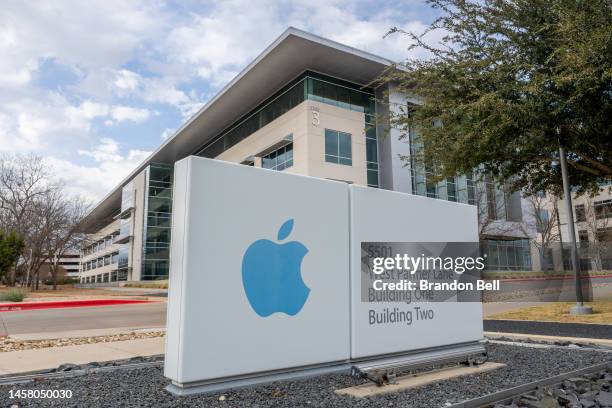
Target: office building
305, 106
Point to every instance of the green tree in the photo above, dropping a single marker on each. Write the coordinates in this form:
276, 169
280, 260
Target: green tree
508, 83
11, 247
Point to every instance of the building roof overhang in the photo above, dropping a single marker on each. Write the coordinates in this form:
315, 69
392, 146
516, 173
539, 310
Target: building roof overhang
294, 52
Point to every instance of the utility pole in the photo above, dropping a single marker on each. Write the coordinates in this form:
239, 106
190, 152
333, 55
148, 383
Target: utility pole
579, 308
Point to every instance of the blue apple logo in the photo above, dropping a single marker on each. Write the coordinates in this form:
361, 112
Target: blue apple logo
271, 275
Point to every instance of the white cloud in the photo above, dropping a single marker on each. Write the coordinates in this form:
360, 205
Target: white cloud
107, 150
33, 124
123, 113
89, 34
127, 80
108, 167
36, 124
130, 60
223, 40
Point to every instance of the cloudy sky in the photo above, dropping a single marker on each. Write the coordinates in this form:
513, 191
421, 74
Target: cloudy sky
95, 86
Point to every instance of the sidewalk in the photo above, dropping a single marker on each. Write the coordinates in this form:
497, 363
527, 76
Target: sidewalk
16, 362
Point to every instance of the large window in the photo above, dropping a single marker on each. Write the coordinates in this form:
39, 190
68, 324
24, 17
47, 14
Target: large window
125, 227
123, 256
280, 159
338, 147
157, 232
603, 209
580, 213
511, 255
543, 220
371, 151
127, 197
153, 269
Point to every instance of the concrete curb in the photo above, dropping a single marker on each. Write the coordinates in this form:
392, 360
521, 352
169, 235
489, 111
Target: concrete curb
10, 307
71, 334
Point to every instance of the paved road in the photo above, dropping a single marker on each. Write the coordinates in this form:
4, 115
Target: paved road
83, 318
594, 331
154, 314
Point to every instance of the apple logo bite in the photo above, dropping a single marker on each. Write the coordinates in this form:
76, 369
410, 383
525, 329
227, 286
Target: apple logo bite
271, 275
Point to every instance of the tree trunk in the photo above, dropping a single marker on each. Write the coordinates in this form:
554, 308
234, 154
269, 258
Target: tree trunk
54, 275
12, 275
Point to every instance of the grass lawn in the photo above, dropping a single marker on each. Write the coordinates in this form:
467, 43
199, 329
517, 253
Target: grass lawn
559, 312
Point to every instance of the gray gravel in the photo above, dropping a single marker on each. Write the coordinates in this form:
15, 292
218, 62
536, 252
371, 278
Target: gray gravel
593, 331
591, 390
144, 387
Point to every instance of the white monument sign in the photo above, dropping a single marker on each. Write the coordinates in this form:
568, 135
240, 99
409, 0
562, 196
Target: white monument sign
264, 270
258, 272
387, 216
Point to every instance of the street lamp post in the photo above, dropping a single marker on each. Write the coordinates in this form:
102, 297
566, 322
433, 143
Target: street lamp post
579, 308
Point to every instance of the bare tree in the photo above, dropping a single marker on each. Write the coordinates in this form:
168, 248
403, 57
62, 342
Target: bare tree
24, 181
47, 218
68, 235
38, 208
543, 218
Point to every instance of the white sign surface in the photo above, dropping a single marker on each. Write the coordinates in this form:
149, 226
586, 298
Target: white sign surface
386, 216
259, 271
265, 273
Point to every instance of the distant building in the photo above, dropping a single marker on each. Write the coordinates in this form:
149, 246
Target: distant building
593, 226
68, 266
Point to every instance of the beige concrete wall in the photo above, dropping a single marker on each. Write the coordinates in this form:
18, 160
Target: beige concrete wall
307, 123
138, 214
322, 116
292, 122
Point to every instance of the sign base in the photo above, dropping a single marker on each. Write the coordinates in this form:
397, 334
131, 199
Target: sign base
233, 383
412, 360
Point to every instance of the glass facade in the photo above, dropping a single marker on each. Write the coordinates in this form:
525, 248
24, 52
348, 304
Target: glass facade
280, 159
511, 255
459, 189
158, 210
372, 151
127, 197
312, 86
123, 261
491, 199
125, 227
338, 147
466, 189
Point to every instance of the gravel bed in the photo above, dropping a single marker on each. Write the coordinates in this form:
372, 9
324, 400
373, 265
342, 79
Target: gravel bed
9, 344
591, 390
593, 331
144, 387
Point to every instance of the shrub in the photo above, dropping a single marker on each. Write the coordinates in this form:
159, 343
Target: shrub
13, 295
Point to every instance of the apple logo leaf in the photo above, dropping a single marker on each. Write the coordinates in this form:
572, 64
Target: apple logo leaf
285, 229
